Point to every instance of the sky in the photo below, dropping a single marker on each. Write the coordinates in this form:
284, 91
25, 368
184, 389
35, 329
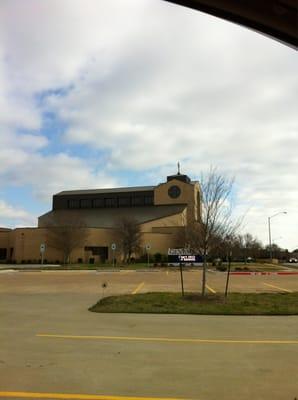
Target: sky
113, 93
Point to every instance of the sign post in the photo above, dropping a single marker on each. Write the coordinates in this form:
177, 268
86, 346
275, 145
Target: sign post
181, 278
148, 247
113, 247
42, 249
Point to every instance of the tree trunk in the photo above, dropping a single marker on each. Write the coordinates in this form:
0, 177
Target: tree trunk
129, 257
228, 276
204, 275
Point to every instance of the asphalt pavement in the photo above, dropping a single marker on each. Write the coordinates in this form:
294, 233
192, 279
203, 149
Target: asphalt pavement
51, 346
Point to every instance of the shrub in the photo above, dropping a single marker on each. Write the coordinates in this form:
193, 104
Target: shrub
221, 268
142, 258
157, 257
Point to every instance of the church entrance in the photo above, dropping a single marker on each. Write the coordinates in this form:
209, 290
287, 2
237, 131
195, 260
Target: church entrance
96, 254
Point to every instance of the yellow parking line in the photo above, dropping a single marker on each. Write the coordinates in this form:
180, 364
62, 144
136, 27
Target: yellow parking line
66, 396
169, 340
279, 288
210, 289
167, 272
139, 287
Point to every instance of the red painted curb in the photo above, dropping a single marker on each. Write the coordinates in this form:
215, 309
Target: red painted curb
265, 273
241, 273
288, 273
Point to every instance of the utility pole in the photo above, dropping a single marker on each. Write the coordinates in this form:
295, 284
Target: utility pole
270, 245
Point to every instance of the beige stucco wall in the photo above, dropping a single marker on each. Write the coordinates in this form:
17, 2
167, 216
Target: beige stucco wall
159, 242
170, 221
4, 239
26, 243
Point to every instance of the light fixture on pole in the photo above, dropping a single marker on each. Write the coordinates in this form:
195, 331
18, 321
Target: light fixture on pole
269, 230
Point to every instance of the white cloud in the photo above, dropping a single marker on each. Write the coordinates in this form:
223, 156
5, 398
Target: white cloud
46, 175
10, 216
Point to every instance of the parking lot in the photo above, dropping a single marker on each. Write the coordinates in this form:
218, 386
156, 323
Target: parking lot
53, 347
137, 281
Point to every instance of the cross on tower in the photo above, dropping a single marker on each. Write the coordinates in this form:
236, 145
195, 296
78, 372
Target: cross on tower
178, 164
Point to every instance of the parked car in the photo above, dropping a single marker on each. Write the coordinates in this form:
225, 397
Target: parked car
293, 260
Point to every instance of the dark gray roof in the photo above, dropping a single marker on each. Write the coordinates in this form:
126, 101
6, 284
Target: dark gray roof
107, 217
5, 229
108, 190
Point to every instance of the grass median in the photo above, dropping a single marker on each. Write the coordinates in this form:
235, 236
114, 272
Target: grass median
191, 303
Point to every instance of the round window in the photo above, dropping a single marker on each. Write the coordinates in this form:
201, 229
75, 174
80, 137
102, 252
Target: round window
174, 192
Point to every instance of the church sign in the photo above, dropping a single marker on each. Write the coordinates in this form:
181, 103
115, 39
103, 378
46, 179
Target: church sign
183, 256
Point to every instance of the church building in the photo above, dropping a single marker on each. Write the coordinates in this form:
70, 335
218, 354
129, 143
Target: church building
161, 212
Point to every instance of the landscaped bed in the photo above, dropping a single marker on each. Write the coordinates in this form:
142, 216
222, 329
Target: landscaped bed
191, 303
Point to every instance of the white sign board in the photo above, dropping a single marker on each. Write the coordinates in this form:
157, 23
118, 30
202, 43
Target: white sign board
42, 248
148, 247
178, 252
113, 246
187, 258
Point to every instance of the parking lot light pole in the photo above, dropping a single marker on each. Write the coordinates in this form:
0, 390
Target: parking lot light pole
269, 229
148, 247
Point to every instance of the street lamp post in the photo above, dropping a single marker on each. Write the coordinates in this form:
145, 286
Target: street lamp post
269, 229
274, 243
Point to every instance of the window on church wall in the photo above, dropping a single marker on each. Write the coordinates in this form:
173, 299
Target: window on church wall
98, 203
73, 203
110, 202
148, 200
137, 201
124, 202
86, 203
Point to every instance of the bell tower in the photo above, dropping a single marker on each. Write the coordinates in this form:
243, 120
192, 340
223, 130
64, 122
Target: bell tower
180, 189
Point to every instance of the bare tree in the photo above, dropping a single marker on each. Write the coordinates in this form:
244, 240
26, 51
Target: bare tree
247, 246
229, 242
216, 223
66, 234
128, 235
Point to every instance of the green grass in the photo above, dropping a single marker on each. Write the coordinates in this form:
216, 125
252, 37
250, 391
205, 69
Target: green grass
174, 303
